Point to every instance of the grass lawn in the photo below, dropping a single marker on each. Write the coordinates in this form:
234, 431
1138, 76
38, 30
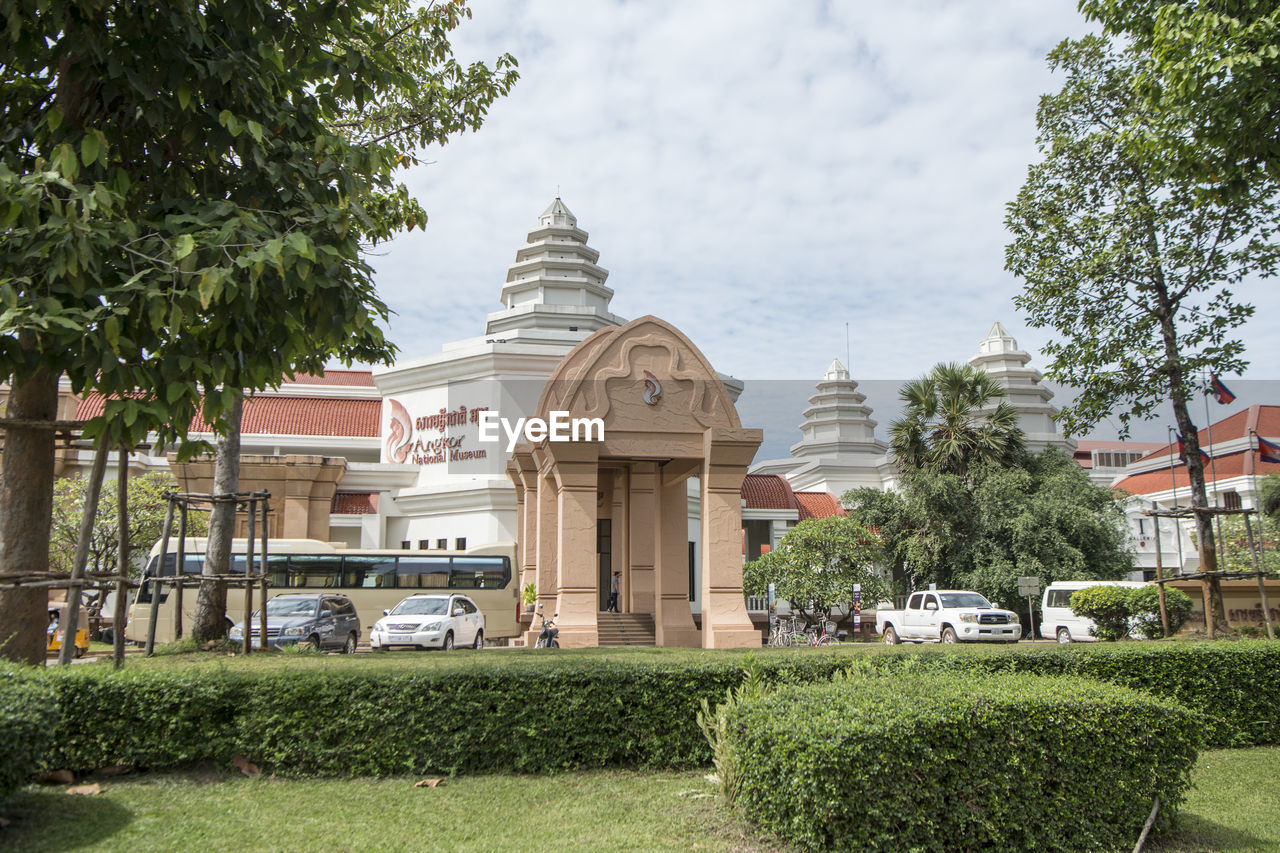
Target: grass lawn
1233, 807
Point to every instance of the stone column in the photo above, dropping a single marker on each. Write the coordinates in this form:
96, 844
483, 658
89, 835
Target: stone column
524, 473
544, 548
725, 623
576, 468
673, 622
642, 532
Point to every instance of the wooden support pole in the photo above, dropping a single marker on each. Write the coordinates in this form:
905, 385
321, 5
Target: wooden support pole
122, 558
165, 532
1262, 580
248, 576
89, 514
180, 571
262, 613
1164, 612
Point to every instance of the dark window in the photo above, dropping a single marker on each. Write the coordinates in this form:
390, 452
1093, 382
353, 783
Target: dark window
693, 562
467, 606
423, 572
916, 602
1231, 500
372, 572
424, 544
442, 544
481, 572
460, 544
404, 544
1060, 597
278, 569
929, 599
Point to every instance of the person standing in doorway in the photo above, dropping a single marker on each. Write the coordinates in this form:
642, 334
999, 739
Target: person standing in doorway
613, 592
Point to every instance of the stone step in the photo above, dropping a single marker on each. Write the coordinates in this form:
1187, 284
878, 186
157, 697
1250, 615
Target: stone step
625, 629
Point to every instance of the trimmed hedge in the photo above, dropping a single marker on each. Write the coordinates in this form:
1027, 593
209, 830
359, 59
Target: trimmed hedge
949, 762
28, 715
528, 713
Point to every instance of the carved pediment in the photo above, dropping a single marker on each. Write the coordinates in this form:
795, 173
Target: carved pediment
642, 377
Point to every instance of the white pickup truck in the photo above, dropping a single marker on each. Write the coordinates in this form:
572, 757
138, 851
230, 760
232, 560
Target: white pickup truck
948, 616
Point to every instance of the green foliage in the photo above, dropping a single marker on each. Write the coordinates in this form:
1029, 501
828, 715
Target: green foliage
959, 763
816, 565
1144, 605
1127, 257
1269, 487
1042, 518
167, 209
953, 421
147, 508
1217, 67
28, 716
1107, 606
493, 713
1234, 554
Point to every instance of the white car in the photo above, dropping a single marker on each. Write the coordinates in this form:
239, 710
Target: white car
439, 621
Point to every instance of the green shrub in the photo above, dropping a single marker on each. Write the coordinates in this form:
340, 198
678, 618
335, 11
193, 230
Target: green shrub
1107, 606
1144, 604
947, 762
28, 714
339, 715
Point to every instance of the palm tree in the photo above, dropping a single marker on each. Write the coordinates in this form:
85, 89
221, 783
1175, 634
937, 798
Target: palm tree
950, 423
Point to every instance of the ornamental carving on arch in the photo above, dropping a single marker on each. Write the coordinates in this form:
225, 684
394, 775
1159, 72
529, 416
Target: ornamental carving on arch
643, 376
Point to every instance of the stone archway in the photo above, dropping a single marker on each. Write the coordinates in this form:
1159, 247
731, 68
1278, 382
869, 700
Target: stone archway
666, 417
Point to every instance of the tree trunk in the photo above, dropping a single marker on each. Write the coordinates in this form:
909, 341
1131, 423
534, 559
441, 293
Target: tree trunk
1199, 499
211, 607
26, 517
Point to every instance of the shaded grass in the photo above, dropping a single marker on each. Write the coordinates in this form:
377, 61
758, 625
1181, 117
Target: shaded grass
214, 810
1233, 806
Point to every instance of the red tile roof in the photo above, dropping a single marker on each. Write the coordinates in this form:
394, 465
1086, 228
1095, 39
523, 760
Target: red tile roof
272, 415
354, 503
772, 491
768, 491
1264, 420
362, 378
818, 505
1225, 467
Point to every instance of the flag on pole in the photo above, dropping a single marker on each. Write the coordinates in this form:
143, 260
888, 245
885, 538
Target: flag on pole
1220, 392
1204, 457
1268, 451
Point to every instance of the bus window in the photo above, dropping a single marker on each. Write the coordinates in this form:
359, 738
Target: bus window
480, 572
315, 570
371, 572
278, 569
428, 572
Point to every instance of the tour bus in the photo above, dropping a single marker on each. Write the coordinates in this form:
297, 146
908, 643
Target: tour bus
374, 580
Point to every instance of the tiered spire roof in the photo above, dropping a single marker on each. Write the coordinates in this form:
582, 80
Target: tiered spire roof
555, 282
999, 356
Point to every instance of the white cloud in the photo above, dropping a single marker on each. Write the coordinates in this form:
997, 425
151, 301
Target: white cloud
757, 173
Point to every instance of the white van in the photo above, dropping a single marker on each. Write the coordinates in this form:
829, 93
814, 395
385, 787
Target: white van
1057, 620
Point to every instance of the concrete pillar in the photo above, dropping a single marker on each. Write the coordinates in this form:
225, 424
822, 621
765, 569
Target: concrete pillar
576, 469
546, 520
673, 622
641, 523
725, 623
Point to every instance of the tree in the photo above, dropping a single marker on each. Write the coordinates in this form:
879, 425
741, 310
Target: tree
147, 509
1269, 494
1107, 606
1216, 66
816, 565
183, 218
953, 421
1144, 605
1236, 555
1130, 260
1042, 518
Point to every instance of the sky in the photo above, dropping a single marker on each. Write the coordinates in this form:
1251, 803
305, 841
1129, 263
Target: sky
760, 174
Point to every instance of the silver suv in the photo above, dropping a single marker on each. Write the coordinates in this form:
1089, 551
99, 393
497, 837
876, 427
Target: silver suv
327, 621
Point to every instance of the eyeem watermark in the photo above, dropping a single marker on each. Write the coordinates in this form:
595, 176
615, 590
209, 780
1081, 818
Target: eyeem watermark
560, 427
